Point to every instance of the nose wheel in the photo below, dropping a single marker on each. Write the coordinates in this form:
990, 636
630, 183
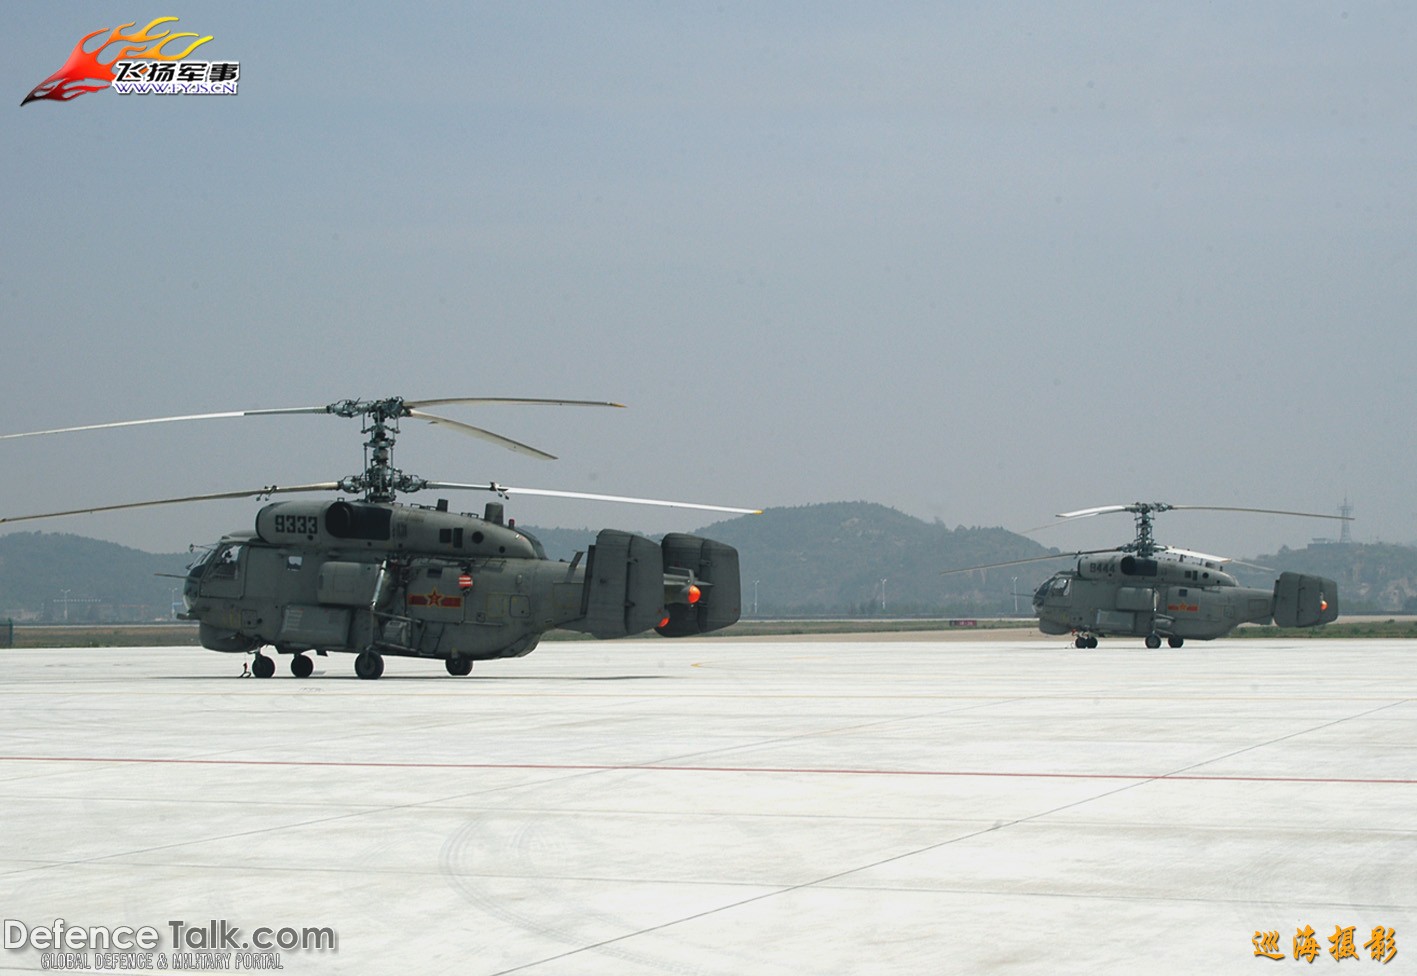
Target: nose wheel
301, 666
459, 666
1084, 641
262, 666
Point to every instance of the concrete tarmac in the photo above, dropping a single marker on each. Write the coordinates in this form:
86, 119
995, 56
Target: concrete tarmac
725, 806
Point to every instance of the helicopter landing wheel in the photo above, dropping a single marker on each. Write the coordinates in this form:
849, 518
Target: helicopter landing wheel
1153, 641
1085, 641
369, 665
262, 666
1174, 641
301, 666
459, 666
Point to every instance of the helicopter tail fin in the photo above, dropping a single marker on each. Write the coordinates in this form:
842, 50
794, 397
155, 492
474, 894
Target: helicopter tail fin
1304, 601
624, 585
633, 585
714, 568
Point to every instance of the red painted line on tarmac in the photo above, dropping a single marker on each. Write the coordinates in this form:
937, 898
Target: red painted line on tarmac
778, 770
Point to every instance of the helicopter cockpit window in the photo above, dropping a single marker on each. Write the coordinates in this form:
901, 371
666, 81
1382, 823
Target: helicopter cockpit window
225, 563
1060, 587
536, 545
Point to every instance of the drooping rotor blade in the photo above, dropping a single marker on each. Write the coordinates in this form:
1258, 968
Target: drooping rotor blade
1030, 559
165, 420
507, 490
1192, 554
485, 435
513, 401
1222, 560
1241, 562
217, 496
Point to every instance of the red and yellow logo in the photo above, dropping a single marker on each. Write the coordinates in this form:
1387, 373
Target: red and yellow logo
434, 599
93, 70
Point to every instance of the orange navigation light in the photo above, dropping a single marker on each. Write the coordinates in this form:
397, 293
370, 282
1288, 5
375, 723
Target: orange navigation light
694, 594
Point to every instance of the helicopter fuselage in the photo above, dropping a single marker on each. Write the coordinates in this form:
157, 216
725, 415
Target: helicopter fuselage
1172, 597
380, 579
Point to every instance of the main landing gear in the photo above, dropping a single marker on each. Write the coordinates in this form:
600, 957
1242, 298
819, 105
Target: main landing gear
369, 665
1153, 641
263, 667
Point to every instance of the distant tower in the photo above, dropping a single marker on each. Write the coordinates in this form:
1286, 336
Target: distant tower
1345, 536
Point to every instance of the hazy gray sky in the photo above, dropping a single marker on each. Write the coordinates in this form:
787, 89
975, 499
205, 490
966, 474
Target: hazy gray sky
978, 262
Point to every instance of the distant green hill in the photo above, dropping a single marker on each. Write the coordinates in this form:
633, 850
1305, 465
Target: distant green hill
1376, 577
831, 558
54, 576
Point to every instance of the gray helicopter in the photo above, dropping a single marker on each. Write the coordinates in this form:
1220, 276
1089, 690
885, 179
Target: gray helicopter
365, 575
1143, 589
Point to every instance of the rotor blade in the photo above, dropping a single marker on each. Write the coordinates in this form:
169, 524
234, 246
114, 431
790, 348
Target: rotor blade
1089, 512
513, 401
1192, 554
1241, 562
1261, 511
165, 420
408, 404
507, 490
250, 493
1159, 507
485, 435
1031, 559
1082, 513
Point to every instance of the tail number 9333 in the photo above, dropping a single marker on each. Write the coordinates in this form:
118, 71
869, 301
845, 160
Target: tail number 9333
297, 524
